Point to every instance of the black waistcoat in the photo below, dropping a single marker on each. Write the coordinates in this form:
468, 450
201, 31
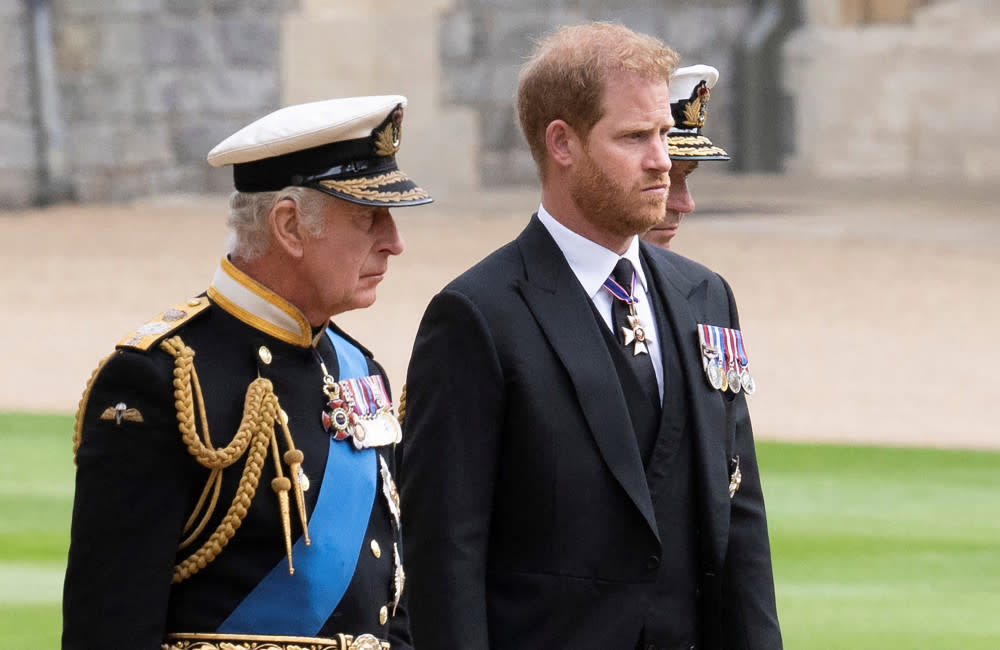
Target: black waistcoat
672, 618
667, 450
644, 415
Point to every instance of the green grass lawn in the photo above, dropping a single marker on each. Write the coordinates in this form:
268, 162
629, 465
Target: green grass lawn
888, 549
36, 496
884, 548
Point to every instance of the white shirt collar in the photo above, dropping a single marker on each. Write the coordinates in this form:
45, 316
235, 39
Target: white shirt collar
591, 263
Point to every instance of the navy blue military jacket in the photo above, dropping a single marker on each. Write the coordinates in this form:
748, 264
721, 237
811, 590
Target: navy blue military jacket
137, 482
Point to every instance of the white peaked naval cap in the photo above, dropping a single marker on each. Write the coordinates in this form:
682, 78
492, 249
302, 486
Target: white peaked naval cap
344, 147
690, 91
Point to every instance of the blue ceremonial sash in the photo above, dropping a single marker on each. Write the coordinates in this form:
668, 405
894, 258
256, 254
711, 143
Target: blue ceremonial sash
301, 603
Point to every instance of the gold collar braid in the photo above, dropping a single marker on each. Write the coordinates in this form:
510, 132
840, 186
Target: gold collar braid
261, 411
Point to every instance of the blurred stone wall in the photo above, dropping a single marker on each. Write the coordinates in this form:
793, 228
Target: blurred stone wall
484, 42
338, 48
898, 89
909, 95
17, 131
146, 88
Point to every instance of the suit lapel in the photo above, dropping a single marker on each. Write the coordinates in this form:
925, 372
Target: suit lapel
566, 318
684, 304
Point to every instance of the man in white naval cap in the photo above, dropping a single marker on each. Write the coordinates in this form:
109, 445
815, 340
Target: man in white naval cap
234, 482
690, 90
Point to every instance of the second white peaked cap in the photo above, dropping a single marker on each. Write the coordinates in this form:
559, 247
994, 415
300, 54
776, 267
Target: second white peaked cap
689, 95
344, 147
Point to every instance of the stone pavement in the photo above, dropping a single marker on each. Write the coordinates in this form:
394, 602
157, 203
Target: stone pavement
870, 312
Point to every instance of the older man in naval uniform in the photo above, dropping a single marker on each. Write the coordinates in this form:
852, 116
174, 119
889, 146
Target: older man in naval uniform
690, 91
234, 482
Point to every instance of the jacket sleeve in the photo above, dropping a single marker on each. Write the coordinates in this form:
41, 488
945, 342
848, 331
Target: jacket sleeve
452, 428
748, 582
128, 510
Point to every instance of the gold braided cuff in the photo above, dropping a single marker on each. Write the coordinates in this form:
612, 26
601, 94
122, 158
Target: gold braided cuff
211, 641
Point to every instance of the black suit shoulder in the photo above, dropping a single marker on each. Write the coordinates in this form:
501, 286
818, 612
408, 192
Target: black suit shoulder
695, 272
689, 275
498, 270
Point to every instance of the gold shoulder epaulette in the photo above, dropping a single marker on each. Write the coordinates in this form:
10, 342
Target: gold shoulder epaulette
149, 333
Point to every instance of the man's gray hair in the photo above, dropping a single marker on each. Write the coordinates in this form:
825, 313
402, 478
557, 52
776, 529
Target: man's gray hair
250, 236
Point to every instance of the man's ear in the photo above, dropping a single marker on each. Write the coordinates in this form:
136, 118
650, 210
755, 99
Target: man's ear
286, 227
561, 142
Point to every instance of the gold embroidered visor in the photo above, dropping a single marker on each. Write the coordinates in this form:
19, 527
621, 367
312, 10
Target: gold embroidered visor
391, 187
693, 146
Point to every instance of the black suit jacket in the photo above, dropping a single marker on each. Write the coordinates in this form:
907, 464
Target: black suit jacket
529, 520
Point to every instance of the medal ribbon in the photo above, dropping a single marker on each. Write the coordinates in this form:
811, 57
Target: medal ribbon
718, 344
724, 354
367, 395
299, 604
619, 292
731, 356
742, 351
703, 340
711, 340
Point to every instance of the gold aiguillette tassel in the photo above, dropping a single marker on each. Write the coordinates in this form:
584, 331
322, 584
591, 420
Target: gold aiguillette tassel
281, 485
293, 457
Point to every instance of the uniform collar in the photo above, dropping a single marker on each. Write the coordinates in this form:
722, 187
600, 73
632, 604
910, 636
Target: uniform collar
591, 263
259, 307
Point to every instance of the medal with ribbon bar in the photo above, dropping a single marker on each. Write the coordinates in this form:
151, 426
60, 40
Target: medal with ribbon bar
359, 409
709, 356
749, 386
732, 371
635, 333
719, 341
724, 359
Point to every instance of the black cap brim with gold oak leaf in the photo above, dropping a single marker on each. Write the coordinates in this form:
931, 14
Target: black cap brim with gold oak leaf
343, 147
690, 91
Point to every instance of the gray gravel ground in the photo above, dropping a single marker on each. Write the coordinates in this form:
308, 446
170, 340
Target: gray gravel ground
870, 312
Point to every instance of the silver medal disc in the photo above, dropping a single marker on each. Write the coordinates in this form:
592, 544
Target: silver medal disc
733, 378
714, 374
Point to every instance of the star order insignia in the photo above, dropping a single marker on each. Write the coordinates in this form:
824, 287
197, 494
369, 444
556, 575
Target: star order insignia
636, 333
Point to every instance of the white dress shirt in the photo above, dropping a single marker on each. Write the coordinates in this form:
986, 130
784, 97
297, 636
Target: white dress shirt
593, 264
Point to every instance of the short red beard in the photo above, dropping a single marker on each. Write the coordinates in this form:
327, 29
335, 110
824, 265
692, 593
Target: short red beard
610, 207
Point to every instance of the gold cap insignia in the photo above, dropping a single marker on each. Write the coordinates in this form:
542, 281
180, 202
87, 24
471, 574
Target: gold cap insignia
387, 136
697, 107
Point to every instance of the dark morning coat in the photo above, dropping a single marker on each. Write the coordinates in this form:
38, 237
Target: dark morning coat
529, 520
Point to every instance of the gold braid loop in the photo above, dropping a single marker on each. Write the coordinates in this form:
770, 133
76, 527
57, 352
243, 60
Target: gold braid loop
401, 407
185, 384
234, 516
213, 485
81, 408
256, 431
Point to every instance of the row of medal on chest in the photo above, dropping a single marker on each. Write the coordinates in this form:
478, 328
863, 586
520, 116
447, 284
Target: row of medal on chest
724, 359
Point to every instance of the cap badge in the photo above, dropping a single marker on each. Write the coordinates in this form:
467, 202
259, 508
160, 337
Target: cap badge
387, 135
697, 107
